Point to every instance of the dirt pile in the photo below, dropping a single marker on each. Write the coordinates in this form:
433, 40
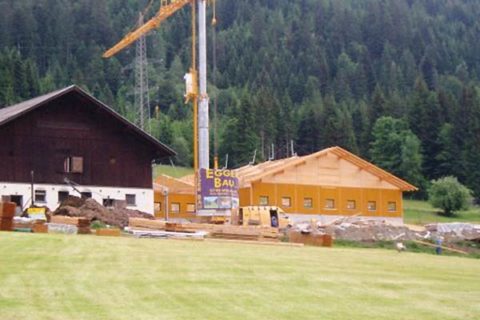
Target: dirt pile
92, 210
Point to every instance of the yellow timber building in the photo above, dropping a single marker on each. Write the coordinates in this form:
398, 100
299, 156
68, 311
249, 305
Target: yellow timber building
324, 185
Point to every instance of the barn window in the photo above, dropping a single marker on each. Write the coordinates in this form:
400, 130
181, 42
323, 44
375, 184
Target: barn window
263, 201
329, 203
308, 202
190, 207
286, 202
62, 195
351, 204
40, 196
392, 206
86, 195
73, 165
131, 199
175, 207
372, 205
108, 202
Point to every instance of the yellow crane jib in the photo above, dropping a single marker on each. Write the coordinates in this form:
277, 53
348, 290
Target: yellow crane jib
167, 8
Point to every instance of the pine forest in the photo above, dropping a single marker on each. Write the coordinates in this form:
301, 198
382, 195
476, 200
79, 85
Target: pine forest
395, 81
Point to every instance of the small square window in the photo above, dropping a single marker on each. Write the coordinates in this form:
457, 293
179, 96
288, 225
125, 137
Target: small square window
157, 206
131, 199
108, 202
372, 205
263, 201
190, 207
40, 196
286, 202
351, 204
329, 204
86, 195
307, 202
62, 196
73, 165
392, 206
175, 207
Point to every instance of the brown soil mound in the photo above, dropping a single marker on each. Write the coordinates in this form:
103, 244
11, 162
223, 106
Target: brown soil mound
91, 209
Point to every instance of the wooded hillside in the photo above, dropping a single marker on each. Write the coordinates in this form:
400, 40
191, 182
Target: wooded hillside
318, 72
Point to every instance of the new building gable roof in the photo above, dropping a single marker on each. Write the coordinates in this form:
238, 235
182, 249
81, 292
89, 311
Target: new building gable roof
173, 185
13, 112
249, 174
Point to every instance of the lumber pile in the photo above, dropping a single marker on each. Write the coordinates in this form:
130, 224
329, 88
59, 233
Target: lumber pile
7, 211
315, 239
251, 233
29, 225
21, 223
40, 227
104, 232
140, 223
82, 224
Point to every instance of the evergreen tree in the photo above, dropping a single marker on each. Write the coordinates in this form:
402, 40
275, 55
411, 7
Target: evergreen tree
396, 149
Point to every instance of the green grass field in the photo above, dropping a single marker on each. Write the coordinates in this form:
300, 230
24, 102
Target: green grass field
421, 212
87, 277
176, 172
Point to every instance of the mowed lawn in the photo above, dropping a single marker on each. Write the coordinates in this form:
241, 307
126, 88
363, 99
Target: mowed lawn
172, 171
421, 212
88, 277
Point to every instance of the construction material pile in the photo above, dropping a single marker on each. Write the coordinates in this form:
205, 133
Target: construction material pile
365, 229
357, 229
29, 225
92, 210
311, 239
452, 232
223, 231
7, 211
69, 225
369, 230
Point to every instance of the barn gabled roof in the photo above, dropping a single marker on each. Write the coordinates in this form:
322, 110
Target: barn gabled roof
254, 173
13, 112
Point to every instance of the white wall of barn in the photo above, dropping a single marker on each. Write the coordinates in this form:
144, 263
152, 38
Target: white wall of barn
143, 197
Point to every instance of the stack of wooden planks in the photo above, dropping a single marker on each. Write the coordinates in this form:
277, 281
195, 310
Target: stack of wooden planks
83, 224
7, 211
223, 231
108, 232
251, 233
29, 225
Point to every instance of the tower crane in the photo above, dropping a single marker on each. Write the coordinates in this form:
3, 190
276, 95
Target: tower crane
196, 85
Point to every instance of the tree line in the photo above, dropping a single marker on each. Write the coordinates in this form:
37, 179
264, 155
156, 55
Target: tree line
395, 81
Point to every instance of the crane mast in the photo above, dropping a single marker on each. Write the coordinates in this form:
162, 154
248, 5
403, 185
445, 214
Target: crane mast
203, 138
198, 94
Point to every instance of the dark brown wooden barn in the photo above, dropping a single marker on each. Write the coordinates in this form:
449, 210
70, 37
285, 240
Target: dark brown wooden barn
70, 134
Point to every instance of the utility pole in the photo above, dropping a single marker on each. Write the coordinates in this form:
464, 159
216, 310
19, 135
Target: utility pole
142, 100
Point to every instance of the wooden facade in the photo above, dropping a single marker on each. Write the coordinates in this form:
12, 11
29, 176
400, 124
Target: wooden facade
331, 182
43, 136
174, 198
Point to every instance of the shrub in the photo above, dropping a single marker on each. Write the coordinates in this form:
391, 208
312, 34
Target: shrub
449, 195
97, 224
